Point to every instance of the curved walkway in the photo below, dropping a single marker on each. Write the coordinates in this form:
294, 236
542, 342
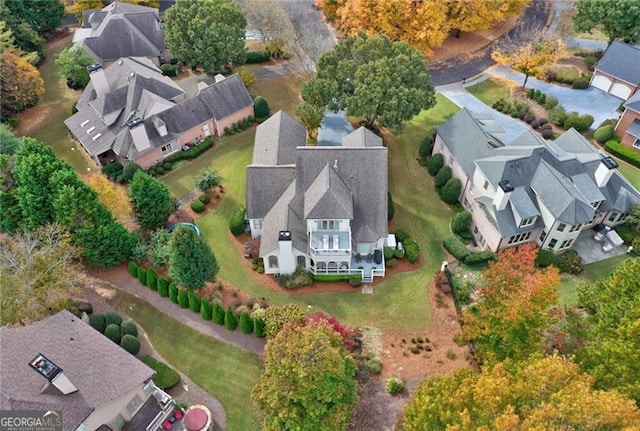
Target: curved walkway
120, 277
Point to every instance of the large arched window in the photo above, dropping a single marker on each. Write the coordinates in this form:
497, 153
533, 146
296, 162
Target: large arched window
273, 261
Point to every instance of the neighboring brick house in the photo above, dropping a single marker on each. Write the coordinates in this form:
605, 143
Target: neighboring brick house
122, 30
62, 364
628, 126
531, 190
130, 111
322, 208
618, 71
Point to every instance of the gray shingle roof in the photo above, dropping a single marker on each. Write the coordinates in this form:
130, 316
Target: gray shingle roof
265, 185
276, 220
99, 368
362, 137
634, 128
622, 61
276, 140
225, 97
634, 102
522, 204
328, 197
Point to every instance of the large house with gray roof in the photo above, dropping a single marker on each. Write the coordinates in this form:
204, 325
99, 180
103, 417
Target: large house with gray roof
130, 111
531, 190
628, 126
322, 208
618, 71
62, 364
122, 30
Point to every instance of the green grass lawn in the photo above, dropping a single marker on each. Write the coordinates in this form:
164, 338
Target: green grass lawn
224, 371
45, 122
398, 302
489, 91
565, 72
591, 272
631, 173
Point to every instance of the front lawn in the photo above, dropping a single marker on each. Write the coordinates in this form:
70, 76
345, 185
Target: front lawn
222, 370
565, 71
590, 273
489, 91
399, 302
631, 173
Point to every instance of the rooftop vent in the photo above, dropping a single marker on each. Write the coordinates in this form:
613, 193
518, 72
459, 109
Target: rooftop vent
94, 67
130, 76
506, 186
120, 62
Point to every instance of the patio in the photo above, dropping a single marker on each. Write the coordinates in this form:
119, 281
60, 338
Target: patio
592, 251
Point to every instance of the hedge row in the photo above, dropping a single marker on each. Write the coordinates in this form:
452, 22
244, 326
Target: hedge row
165, 376
334, 278
627, 154
480, 257
454, 245
257, 57
191, 153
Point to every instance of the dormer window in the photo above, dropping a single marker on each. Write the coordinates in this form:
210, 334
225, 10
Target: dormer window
528, 221
596, 205
561, 227
328, 224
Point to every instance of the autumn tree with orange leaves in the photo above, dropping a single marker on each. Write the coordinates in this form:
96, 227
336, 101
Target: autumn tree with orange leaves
514, 307
421, 24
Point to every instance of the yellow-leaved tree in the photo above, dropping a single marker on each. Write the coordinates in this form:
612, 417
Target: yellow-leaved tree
473, 15
113, 196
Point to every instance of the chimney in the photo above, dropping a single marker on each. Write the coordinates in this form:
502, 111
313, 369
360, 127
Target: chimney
161, 126
139, 134
502, 195
286, 259
53, 373
99, 79
604, 171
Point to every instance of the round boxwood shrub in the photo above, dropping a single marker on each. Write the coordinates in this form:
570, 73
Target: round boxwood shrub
159, 170
388, 253
391, 263
374, 365
398, 254
451, 190
580, 83
412, 250
443, 175
603, 134
260, 107
168, 69
111, 317
547, 133
529, 119
236, 222
394, 385
197, 205
129, 327
97, 322
546, 258
130, 343
460, 225
434, 165
425, 147
112, 332
84, 307
204, 198
401, 235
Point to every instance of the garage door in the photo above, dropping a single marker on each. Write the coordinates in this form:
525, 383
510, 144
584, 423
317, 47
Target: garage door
621, 91
601, 82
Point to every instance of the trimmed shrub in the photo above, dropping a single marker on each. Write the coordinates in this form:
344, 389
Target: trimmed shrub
142, 276
333, 278
454, 245
191, 153
426, 145
128, 327
451, 190
374, 365
398, 254
260, 107
529, 119
257, 57
443, 175
627, 154
195, 302
299, 278
546, 258
434, 165
246, 323
258, 327
551, 102
97, 322
558, 115
112, 318
168, 69
236, 222
412, 250
391, 263
204, 198
165, 376
479, 257
183, 298
133, 269
603, 134
394, 385
163, 287
152, 279
129, 170
173, 293
390, 210
230, 319
388, 253
579, 122
218, 314
112, 332
85, 307
460, 225
206, 309
570, 262
401, 235
547, 133
197, 205
580, 83
130, 343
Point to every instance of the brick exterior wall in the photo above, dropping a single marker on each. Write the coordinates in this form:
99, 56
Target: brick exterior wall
233, 118
623, 124
149, 158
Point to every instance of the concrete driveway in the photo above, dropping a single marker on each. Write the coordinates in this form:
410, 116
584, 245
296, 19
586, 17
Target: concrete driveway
590, 101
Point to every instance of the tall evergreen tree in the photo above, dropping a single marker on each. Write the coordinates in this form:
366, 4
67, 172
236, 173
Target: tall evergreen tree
191, 261
152, 200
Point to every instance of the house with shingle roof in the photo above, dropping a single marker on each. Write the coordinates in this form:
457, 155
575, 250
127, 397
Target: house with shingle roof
130, 111
322, 208
62, 364
628, 126
618, 71
531, 190
122, 30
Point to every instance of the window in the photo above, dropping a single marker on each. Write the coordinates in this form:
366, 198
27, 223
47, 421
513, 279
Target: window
205, 130
543, 235
596, 205
486, 185
133, 405
561, 227
636, 144
575, 227
553, 243
119, 421
613, 217
168, 149
527, 221
566, 244
465, 202
514, 239
273, 261
149, 388
329, 225
624, 217
257, 224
